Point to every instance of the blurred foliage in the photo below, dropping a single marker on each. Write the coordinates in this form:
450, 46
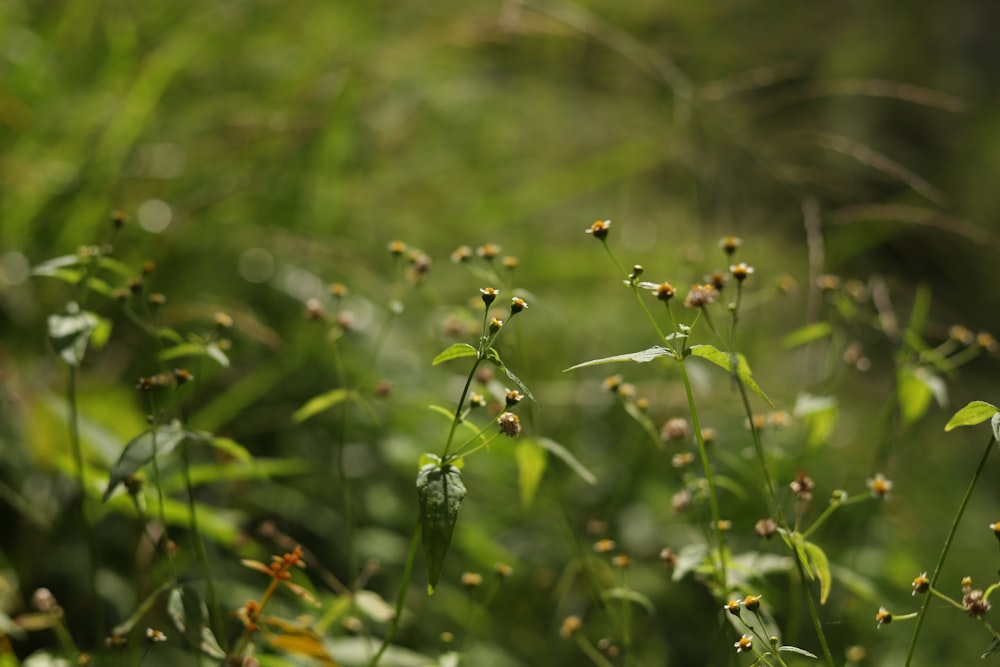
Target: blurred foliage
265, 150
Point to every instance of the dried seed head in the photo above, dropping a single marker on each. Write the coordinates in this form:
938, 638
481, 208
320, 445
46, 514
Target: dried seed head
510, 424
766, 528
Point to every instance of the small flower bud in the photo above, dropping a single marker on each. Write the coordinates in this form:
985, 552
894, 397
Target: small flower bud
517, 304
621, 561
503, 570
733, 607
729, 244
471, 579
741, 271
488, 251
604, 546
396, 248
495, 325
513, 397
752, 602
118, 219
490, 294
665, 292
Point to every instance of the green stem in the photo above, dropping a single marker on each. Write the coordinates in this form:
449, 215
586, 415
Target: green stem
81, 480
199, 544
946, 549
411, 558
814, 613
591, 651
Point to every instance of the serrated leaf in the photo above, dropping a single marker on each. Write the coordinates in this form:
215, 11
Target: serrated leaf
821, 567
564, 454
531, 463
807, 334
494, 357
974, 413
619, 593
641, 357
440, 491
321, 403
70, 332
139, 451
724, 360
796, 649
455, 351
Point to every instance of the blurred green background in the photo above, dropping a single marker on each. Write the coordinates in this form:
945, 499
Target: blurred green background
263, 150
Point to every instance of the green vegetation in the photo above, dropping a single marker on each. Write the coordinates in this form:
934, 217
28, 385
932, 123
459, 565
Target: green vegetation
313, 354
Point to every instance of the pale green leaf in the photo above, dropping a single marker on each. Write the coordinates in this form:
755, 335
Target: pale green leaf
455, 351
321, 403
821, 567
643, 356
564, 454
807, 334
974, 413
724, 360
619, 593
796, 649
531, 463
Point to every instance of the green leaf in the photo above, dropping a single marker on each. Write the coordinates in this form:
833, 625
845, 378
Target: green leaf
821, 567
570, 460
974, 413
455, 351
70, 332
620, 593
643, 420
440, 491
231, 447
189, 614
321, 403
916, 387
494, 357
800, 651
51, 266
820, 416
641, 357
139, 452
807, 334
724, 360
196, 349
126, 626
531, 462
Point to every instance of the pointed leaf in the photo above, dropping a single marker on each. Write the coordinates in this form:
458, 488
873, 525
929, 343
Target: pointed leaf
494, 357
531, 462
455, 351
321, 403
796, 649
821, 566
974, 413
807, 334
189, 614
70, 332
139, 452
440, 490
619, 593
570, 460
641, 357
725, 360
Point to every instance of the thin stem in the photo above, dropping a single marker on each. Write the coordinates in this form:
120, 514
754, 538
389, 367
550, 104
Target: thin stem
814, 614
411, 558
74, 437
591, 651
947, 547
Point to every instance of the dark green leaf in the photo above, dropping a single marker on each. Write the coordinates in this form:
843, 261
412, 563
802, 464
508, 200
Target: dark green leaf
440, 490
494, 357
139, 452
974, 413
643, 356
455, 351
725, 360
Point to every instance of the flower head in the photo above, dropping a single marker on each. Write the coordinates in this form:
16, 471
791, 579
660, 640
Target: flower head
729, 244
490, 294
701, 295
921, 584
488, 250
461, 254
517, 304
745, 643
741, 271
510, 424
975, 604
883, 617
599, 229
766, 528
879, 486
733, 607
513, 397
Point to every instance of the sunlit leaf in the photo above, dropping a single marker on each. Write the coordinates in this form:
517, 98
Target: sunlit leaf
140, 450
564, 454
642, 357
297, 639
724, 360
974, 413
807, 334
70, 332
820, 416
796, 649
821, 567
531, 462
916, 387
374, 606
321, 403
440, 491
455, 351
